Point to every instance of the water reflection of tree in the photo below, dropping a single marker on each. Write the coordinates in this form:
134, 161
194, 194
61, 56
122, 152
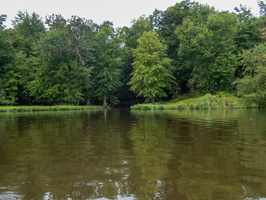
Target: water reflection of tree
145, 155
153, 146
226, 156
251, 148
39, 148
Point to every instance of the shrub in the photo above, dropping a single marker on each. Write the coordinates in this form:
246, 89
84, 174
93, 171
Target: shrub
172, 107
181, 106
208, 101
161, 107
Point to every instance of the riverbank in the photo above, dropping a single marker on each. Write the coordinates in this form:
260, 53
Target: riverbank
208, 101
47, 108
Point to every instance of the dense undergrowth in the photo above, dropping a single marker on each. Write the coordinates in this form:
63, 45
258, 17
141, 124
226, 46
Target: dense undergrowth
208, 101
47, 108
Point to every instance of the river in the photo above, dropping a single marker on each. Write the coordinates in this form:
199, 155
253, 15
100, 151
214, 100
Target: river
133, 155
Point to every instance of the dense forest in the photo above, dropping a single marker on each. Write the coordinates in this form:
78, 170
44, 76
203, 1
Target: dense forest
189, 49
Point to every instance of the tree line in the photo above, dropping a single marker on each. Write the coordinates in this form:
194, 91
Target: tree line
188, 49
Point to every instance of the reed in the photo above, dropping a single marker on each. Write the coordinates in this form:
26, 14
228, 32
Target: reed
208, 101
47, 108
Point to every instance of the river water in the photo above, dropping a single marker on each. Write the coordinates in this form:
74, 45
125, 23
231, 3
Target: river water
128, 155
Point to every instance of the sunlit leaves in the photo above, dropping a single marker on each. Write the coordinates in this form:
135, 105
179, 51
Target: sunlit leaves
151, 74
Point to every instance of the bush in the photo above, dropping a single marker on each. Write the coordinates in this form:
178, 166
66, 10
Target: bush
208, 101
181, 106
161, 107
172, 107
192, 106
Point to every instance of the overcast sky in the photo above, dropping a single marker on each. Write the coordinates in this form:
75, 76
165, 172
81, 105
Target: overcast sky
120, 12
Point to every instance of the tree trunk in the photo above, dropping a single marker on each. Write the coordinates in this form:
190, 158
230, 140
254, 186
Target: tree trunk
104, 101
152, 100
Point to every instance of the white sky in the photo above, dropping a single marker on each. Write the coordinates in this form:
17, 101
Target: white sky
120, 12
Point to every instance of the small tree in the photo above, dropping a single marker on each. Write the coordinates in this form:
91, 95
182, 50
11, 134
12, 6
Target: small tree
151, 68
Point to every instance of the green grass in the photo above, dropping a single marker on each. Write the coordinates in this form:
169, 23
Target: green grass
47, 108
208, 101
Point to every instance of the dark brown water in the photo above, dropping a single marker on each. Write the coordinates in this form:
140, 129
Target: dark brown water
122, 154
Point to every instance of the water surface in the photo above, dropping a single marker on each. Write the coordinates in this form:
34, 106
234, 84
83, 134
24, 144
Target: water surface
122, 154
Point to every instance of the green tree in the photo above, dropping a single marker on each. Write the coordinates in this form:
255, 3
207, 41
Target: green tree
61, 71
247, 29
129, 37
28, 29
207, 50
55, 22
253, 83
151, 74
165, 24
107, 70
7, 56
248, 33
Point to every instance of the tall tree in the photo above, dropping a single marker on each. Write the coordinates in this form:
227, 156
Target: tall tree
247, 29
29, 28
8, 82
129, 37
62, 69
207, 51
7, 55
152, 73
165, 24
107, 70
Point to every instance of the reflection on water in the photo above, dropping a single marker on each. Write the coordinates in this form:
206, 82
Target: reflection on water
122, 154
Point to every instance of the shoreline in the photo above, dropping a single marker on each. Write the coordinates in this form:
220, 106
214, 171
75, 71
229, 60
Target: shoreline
48, 108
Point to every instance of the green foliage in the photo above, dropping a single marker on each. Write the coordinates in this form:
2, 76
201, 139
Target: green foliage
139, 27
107, 72
247, 29
47, 108
166, 24
63, 67
253, 83
2, 20
181, 106
211, 45
129, 37
29, 28
7, 76
188, 50
151, 74
220, 101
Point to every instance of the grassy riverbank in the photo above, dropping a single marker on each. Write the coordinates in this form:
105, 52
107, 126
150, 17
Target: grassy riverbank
219, 101
47, 108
